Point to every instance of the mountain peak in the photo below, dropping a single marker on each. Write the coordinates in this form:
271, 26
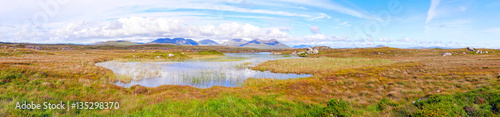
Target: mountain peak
256, 43
176, 41
303, 46
207, 42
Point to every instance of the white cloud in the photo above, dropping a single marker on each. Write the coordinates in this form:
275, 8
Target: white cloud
339, 38
344, 23
317, 39
322, 15
405, 40
140, 27
13, 11
244, 10
330, 5
384, 40
316, 36
463, 8
308, 39
432, 10
314, 29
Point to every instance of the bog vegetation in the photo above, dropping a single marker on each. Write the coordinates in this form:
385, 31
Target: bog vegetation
345, 82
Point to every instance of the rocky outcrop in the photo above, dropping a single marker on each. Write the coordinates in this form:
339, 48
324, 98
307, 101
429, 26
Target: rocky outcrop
312, 51
322, 48
308, 51
471, 49
481, 52
33, 47
446, 54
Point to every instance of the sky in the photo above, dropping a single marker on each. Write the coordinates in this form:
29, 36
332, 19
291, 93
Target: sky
334, 23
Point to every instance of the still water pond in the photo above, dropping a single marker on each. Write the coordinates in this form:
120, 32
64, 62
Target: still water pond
230, 71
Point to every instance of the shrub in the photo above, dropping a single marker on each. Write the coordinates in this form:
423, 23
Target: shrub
6, 77
477, 103
439, 105
303, 55
495, 105
210, 52
336, 107
386, 103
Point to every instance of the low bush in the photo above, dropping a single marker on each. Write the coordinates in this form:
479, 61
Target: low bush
210, 52
386, 103
477, 103
6, 77
334, 107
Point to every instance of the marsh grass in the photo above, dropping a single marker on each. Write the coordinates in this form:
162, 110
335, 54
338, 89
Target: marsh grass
230, 105
210, 52
244, 65
229, 59
203, 77
124, 78
321, 64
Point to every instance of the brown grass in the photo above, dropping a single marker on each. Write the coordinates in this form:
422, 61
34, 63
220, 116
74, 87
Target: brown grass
316, 65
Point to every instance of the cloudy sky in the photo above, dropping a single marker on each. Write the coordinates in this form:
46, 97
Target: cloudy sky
335, 23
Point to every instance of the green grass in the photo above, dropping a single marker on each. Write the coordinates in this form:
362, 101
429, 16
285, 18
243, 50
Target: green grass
19, 52
228, 59
482, 102
334, 107
157, 55
230, 105
210, 52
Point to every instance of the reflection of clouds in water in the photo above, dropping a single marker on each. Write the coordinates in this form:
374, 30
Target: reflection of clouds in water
136, 70
195, 73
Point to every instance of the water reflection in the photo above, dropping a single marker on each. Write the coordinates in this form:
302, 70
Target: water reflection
226, 71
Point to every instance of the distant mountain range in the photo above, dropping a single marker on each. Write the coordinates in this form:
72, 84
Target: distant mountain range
256, 43
175, 41
431, 47
303, 46
208, 42
119, 42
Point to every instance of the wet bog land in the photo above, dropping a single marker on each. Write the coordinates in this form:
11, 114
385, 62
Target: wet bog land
229, 71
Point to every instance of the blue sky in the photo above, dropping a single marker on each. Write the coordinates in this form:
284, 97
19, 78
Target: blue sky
335, 23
